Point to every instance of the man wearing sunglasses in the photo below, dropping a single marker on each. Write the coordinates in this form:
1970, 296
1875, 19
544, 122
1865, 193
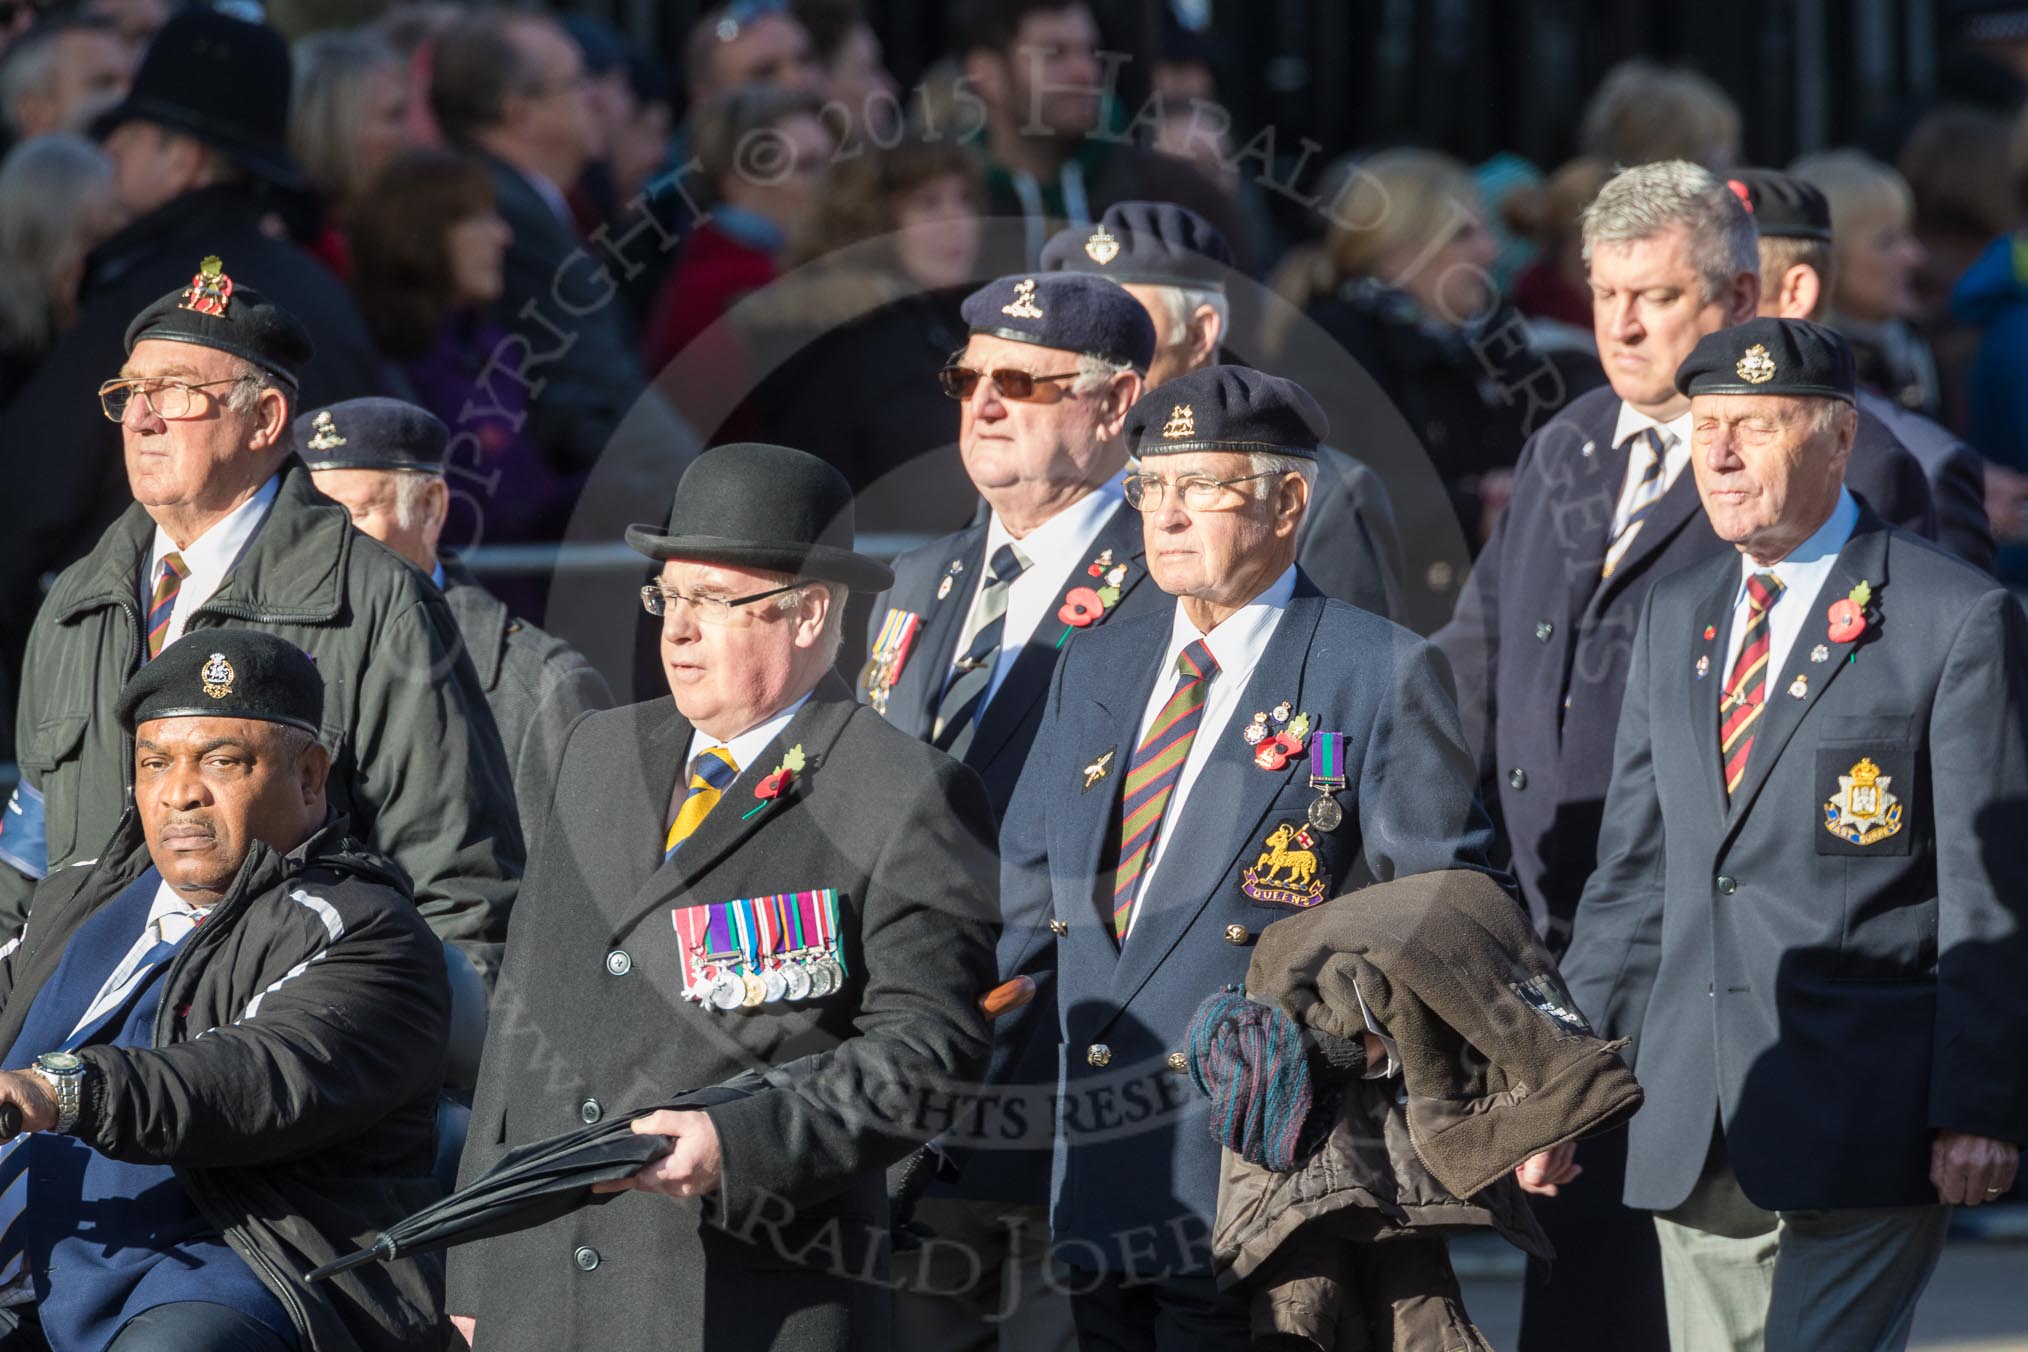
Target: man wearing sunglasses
1175, 263
1201, 772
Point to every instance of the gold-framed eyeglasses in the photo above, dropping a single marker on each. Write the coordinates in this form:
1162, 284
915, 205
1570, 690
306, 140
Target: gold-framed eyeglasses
167, 399
1012, 383
1197, 492
660, 601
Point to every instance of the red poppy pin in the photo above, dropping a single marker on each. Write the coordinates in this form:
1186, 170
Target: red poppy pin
1085, 606
1848, 614
1274, 753
778, 781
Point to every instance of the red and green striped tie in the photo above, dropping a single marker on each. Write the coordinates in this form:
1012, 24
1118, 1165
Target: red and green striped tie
1158, 764
1746, 688
163, 603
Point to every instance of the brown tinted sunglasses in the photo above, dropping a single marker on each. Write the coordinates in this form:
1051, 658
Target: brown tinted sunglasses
960, 381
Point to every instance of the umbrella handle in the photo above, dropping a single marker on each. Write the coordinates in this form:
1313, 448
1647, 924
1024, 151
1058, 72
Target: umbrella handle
1007, 997
382, 1249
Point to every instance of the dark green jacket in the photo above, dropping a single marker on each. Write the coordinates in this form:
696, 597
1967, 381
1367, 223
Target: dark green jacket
416, 762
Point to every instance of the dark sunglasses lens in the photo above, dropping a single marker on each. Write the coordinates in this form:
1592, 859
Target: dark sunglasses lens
959, 382
1014, 384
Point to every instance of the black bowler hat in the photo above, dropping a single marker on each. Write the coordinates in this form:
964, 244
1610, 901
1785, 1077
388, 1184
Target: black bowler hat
1064, 310
1770, 356
752, 505
1782, 206
1226, 408
372, 433
227, 673
1144, 243
222, 80
215, 311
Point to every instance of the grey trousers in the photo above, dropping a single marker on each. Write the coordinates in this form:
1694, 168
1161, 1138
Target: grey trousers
1740, 1279
984, 1282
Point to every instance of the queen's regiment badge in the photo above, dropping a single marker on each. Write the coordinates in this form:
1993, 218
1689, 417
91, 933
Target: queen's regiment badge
1863, 812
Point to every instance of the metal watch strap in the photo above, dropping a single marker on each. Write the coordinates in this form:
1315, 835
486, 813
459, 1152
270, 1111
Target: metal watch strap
68, 1098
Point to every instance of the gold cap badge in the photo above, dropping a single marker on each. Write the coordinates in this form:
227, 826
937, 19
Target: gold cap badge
1756, 367
1182, 423
217, 676
326, 429
210, 290
1103, 247
1023, 305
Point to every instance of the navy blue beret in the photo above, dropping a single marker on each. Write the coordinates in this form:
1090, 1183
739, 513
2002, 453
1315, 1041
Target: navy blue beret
1064, 310
372, 433
227, 673
1151, 243
1226, 408
1770, 356
214, 311
1782, 206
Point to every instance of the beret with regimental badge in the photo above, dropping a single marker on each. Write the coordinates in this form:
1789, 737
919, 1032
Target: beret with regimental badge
1064, 310
215, 311
1226, 408
1770, 356
1782, 206
372, 433
1144, 243
226, 673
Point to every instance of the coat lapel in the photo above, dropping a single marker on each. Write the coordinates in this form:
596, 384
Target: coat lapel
1864, 558
1583, 516
1222, 818
1677, 508
929, 662
1714, 617
1028, 679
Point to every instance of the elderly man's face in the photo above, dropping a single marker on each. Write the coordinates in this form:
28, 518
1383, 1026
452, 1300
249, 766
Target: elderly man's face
1056, 438
1647, 311
208, 788
403, 509
206, 458
731, 670
1768, 475
1227, 554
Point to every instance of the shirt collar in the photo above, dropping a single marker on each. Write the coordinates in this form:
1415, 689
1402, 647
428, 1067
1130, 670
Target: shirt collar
1632, 420
1814, 555
214, 551
1239, 640
437, 574
1067, 533
748, 746
749, 228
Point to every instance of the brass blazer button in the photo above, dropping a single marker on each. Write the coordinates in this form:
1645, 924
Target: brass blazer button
1099, 1054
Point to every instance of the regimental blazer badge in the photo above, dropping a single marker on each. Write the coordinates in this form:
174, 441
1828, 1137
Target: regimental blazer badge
1863, 812
1288, 872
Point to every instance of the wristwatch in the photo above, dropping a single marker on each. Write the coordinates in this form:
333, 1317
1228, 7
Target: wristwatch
65, 1075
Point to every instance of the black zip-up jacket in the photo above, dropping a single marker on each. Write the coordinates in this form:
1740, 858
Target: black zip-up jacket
304, 1124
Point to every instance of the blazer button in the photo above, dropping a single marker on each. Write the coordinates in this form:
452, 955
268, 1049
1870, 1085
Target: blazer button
591, 1110
618, 962
1543, 629
1518, 779
1237, 934
587, 1258
1179, 1063
1059, 927
1098, 1054
1727, 885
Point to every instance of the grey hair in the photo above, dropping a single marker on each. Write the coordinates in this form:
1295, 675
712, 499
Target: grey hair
1267, 463
1095, 372
833, 637
50, 187
253, 382
409, 490
1829, 413
1642, 202
1182, 302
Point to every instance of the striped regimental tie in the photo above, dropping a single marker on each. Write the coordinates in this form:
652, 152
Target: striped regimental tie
711, 774
965, 696
1746, 688
162, 604
1647, 492
1158, 764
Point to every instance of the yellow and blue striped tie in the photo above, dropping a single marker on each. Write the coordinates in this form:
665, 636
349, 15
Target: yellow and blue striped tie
711, 774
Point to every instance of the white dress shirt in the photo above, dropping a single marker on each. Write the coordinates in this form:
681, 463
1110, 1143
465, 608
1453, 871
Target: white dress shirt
1053, 549
1802, 575
1237, 643
745, 748
1675, 456
209, 558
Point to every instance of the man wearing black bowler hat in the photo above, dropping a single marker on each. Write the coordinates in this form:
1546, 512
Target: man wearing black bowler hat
197, 149
756, 872
382, 460
224, 1041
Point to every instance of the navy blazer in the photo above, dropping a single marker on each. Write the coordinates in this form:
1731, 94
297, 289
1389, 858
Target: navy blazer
1833, 1002
1540, 641
1135, 1174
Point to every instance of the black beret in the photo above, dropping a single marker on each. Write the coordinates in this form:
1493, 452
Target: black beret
372, 433
213, 311
1226, 408
1770, 356
227, 673
1151, 243
1065, 310
1782, 206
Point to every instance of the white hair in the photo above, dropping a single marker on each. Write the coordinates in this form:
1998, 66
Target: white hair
410, 489
1642, 202
1270, 466
1095, 372
1182, 302
833, 636
246, 391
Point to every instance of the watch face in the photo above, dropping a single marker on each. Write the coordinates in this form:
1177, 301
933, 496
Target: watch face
60, 1063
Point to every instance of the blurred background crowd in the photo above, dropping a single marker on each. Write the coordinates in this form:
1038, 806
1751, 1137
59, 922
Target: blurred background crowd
571, 231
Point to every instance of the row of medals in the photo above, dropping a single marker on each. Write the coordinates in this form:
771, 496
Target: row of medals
803, 975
